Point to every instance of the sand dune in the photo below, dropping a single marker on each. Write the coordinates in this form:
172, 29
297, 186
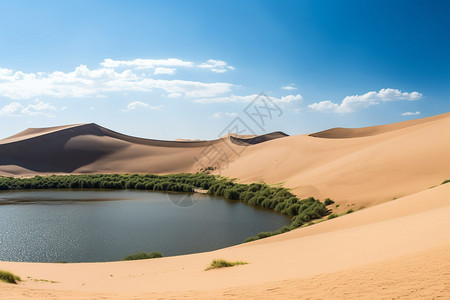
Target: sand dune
391, 249
362, 171
88, 148
342, 133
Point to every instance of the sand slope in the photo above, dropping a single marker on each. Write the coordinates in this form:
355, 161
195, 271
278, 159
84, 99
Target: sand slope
88, 148
362, 170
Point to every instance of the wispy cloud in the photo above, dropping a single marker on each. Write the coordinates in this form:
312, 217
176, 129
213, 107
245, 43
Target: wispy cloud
146, 63
353, 103
289, 87
16, 109
223, 114
248, 98
162, 70
216, 66
408, 113
84, 82
139, 104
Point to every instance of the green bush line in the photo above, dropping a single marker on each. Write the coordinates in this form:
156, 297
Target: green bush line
262, 195
143, 255
446, 181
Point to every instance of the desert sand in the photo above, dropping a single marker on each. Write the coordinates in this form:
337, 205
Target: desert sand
398, 246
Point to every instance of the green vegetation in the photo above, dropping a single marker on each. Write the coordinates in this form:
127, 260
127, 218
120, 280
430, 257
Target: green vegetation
446, 181
170, 183
281, 200
143, 255
220, 263
332, 216
328, 201
278, 199
9, 277
350, 211
41, 280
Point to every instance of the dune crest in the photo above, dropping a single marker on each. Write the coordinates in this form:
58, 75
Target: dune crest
90, 148
345, 133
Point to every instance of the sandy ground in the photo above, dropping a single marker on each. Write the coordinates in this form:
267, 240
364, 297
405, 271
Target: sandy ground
393, 249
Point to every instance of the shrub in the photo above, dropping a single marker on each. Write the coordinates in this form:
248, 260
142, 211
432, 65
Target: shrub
143, 255
350, 211
446, 181
9, 277
332, 216
328, 201
220, 263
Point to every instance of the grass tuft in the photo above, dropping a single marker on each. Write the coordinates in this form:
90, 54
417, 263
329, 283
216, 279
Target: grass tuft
220, 263
9, 277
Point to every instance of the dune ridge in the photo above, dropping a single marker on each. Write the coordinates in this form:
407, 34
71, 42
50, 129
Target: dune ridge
342, 133
90, 148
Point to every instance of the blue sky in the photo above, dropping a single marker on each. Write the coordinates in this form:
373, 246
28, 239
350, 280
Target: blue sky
186, 69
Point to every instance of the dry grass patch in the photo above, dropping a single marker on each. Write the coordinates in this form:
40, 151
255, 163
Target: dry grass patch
220, 263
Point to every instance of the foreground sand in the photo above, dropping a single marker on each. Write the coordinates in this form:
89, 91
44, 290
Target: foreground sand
396, 247
393, 250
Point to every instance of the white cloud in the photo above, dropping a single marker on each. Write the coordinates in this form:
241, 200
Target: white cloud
352, 103
146, 63
174, 95
11, 109
17, 109
288, 98
216, 66
224, 114
136, 104
38, 108
139, 104
83, 82
324, 106
161, 66
411, 113
289, 87
162, 70
218, 70
248, 98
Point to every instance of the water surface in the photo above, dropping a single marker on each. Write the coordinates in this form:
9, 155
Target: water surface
88, 226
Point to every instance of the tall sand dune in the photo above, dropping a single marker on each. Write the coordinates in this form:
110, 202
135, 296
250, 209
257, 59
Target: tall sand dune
361, 170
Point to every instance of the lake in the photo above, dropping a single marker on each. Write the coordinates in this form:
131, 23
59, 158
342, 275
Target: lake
107, 225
